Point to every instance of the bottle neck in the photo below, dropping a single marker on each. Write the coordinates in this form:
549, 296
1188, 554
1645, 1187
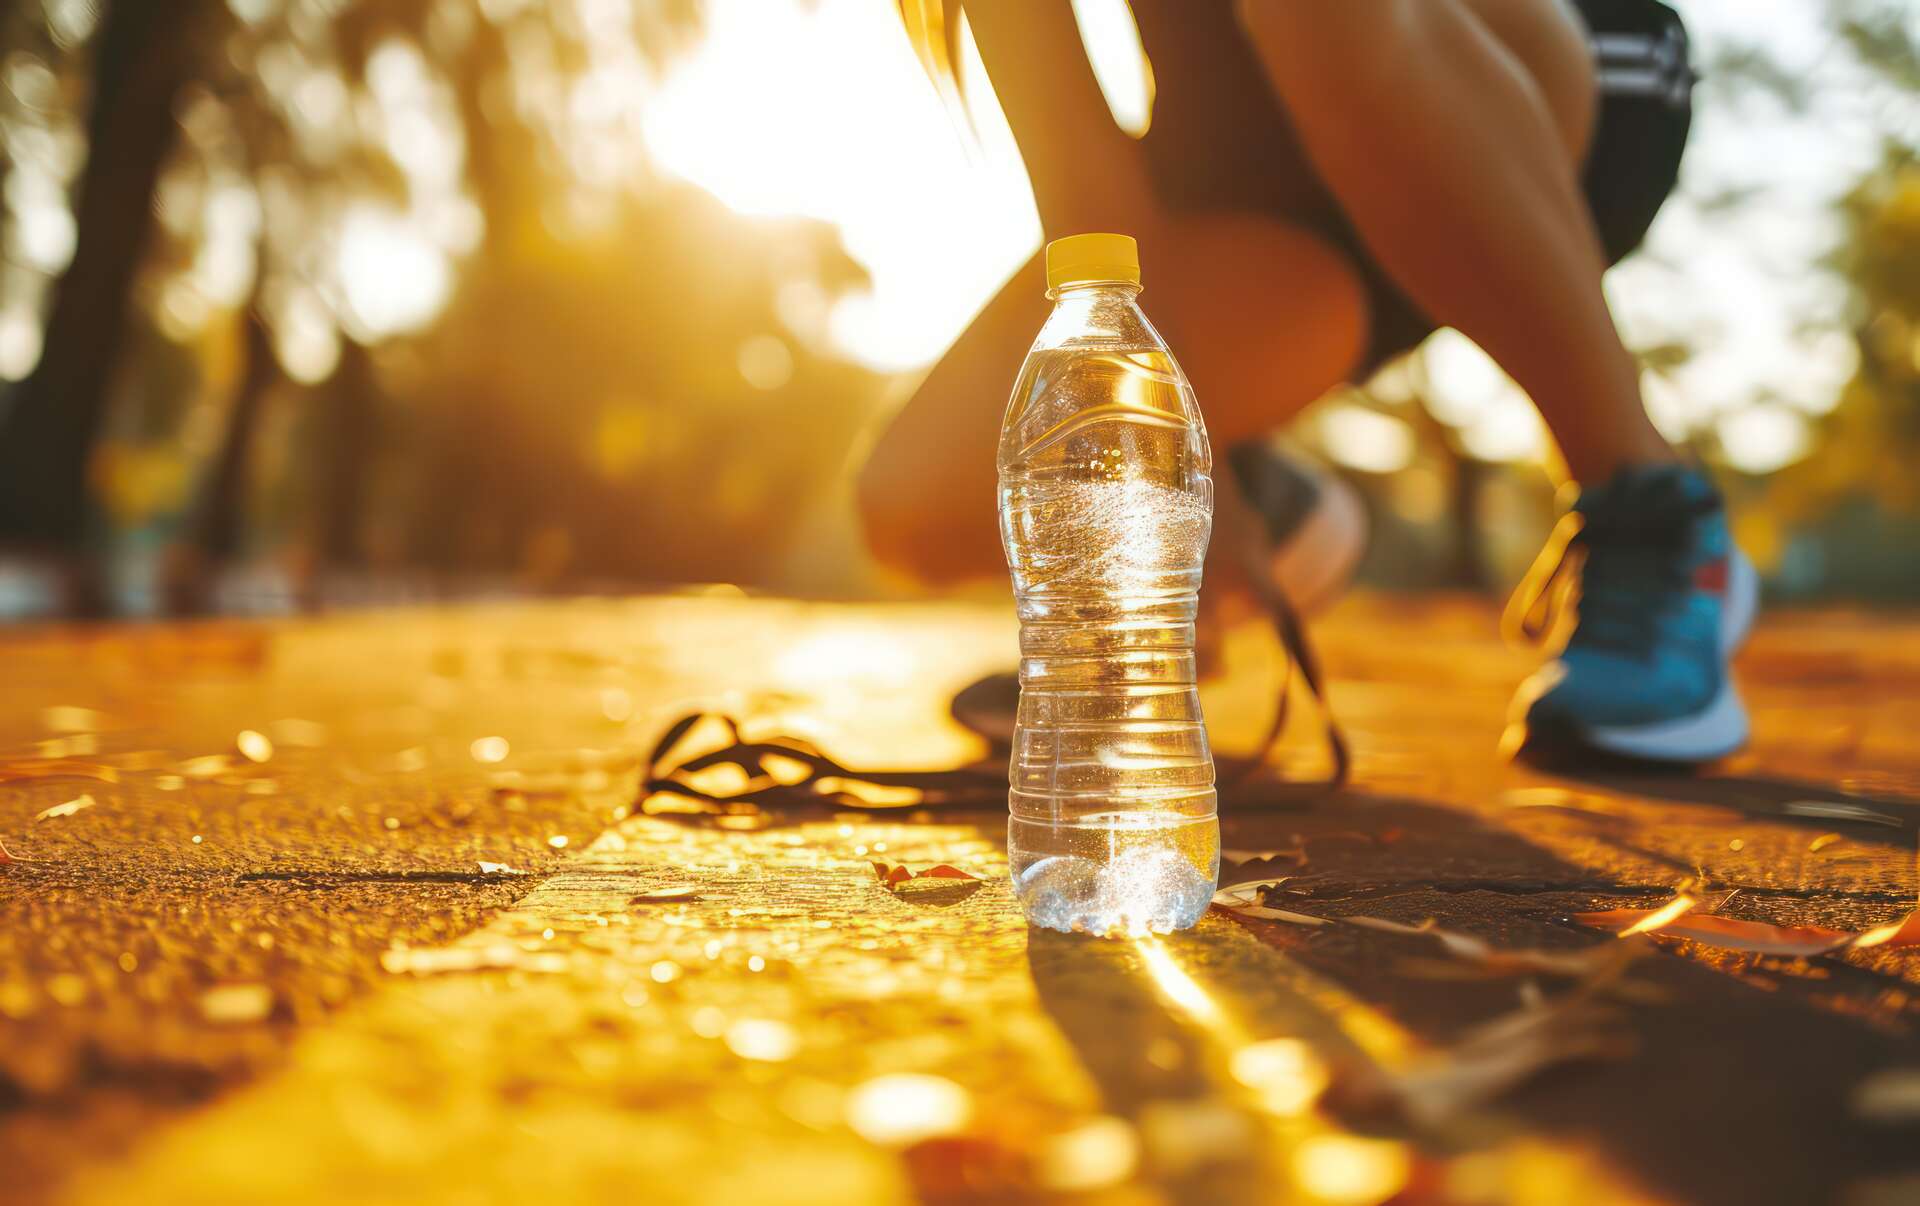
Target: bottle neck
1086, 290
1104, 312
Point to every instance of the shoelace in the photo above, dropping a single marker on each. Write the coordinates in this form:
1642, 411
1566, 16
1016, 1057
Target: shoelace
1535, 609
787, 774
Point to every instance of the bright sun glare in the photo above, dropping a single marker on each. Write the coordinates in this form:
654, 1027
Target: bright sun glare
822, 111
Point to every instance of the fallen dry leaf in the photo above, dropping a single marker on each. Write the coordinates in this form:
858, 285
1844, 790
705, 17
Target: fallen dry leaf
6, 855
1500, 1056
1244, 899
1266, 914
1244, 892
1905, 932
666, 895
1667, 913
892, 876
1822, 842
66, 810
1678, 921
939, 885
1839, 810
1497, 960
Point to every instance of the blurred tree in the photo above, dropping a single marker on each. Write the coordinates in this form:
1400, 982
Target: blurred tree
1871, 439
144, 54
427, 225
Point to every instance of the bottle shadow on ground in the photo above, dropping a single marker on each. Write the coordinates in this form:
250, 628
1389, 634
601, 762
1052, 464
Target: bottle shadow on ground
1744, 1072
1155, 1065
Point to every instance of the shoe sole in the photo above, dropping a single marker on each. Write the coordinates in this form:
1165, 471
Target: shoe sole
1718, 729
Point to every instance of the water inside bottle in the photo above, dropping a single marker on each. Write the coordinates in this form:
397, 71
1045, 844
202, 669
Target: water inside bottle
1106, 509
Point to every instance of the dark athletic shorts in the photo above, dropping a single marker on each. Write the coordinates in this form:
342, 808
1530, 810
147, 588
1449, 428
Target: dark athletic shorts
1214, 105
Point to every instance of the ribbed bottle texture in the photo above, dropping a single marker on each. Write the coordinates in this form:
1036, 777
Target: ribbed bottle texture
1106, 506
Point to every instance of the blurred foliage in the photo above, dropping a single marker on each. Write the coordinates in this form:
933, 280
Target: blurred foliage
1861, 480
402, 288
1869, 443
412, 295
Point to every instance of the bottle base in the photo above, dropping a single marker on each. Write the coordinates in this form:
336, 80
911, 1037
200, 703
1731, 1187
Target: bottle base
1115, 875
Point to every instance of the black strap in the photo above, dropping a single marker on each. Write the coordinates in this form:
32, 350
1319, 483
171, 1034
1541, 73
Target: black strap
789, 774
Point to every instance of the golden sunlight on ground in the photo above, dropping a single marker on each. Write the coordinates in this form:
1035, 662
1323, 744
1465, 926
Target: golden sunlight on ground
674, 1008
860, 1045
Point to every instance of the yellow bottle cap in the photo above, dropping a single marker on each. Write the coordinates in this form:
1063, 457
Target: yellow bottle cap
1081, 259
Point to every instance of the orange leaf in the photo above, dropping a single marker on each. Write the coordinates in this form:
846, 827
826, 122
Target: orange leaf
6, 856
1265, 914
1901, 933
666, 896
1733, 934
893, 876
1497, 960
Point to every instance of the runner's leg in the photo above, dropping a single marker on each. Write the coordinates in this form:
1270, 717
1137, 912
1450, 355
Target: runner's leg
1450, 159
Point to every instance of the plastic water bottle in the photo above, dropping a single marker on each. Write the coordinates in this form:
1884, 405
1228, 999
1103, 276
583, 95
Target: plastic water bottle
1106, 505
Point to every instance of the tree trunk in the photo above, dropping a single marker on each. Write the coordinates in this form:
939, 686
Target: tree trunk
146, 52
352, 431
216, 523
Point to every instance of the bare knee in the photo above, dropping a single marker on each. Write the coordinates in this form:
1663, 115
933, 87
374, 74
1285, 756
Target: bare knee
928, 517
897, 519
1264, 317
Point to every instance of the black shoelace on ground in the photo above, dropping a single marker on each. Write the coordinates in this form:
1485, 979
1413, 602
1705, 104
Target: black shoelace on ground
785, 775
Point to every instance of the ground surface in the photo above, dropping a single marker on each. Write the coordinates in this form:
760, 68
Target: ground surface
369, 968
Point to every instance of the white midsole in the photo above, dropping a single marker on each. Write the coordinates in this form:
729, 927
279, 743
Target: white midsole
1742, 604
1717, 730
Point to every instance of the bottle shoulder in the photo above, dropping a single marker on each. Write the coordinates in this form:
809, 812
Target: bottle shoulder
1107, 318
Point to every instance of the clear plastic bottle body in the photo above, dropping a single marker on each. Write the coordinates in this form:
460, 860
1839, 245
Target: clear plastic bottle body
1106, 507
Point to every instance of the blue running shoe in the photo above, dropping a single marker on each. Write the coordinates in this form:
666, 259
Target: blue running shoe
1664, 600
